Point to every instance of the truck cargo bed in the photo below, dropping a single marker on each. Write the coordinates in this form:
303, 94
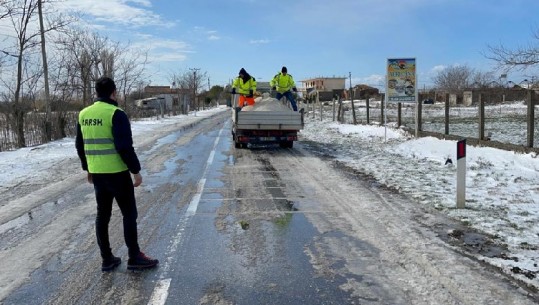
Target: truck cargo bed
269, 120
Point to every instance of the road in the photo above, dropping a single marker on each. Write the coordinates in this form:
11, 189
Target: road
263, 225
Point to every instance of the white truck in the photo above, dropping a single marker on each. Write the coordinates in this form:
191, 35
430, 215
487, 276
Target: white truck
267, 121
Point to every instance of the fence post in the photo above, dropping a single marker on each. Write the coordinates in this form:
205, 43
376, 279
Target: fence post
333, 109
321, 111
354, 120
368, 111
382, 102
481, 113
339, 111
418, 111
399, 112
446, 103
531, 113
314, 107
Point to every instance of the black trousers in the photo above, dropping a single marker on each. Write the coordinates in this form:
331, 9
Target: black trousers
117, 186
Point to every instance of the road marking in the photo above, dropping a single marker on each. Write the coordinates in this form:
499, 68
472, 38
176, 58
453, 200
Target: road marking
193, 205
160, 292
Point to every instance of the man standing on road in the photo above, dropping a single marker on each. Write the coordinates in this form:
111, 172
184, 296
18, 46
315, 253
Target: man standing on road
105, 147
283, 82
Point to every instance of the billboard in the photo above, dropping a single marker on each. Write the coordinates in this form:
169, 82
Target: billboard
401, 80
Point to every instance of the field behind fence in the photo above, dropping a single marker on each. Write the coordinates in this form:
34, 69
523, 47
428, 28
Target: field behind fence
505, 125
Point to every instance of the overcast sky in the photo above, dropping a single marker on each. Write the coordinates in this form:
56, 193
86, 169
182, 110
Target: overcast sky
313, 38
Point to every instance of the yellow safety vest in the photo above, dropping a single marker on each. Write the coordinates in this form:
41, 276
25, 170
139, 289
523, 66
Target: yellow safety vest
96, 125
243, 88
282, 82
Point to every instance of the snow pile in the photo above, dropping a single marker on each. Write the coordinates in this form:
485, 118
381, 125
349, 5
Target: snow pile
267, 103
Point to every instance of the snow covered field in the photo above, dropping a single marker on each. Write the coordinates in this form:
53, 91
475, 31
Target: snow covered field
502, 195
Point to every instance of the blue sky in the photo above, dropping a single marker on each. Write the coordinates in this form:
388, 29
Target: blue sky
314, 38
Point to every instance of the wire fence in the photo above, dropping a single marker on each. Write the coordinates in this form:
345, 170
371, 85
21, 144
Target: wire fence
63, 124
505, 123
511, 122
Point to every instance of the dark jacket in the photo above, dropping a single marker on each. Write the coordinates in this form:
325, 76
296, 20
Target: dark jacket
123, 140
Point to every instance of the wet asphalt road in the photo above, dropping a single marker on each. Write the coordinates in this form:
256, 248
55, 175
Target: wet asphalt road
241, 226
215, 255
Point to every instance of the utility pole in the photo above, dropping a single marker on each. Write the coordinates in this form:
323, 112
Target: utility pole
195, 83
352, 99
48, 125
207, 95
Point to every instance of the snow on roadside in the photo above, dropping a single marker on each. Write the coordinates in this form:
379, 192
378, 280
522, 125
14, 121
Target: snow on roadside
502, 196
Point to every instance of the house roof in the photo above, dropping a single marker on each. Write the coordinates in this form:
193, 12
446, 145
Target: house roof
322, 78
158, 90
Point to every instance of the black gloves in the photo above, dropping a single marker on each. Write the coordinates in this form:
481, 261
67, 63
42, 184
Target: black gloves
295, 89
274, 88
250, 93
233, 91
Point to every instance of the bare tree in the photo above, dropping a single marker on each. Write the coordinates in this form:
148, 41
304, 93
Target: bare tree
454, 78
6, 10
23, 14
129, 71
181, 85
190, 81
92, 54
47, 133
521, 58
95, 55
64, 85
483, 80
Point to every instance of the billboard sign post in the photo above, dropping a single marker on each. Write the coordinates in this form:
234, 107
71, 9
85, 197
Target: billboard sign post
401, 80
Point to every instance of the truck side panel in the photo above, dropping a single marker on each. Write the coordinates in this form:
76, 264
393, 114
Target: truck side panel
269, 120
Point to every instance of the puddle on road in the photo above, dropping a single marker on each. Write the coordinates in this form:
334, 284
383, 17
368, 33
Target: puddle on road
477, 243
284, 205
470, 241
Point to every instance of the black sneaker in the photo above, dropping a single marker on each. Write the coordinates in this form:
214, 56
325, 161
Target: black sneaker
142, 261
110, 263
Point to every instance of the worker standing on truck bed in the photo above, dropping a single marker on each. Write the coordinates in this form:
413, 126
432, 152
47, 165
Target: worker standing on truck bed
245, 86
282, 83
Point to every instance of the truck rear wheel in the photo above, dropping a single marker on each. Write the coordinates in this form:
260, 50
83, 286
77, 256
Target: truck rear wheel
286, 144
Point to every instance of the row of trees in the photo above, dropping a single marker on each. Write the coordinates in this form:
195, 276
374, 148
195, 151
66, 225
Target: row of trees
58, 75
50, 69
459, 77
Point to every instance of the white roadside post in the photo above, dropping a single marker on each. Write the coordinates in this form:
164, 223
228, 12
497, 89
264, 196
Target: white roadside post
461, 174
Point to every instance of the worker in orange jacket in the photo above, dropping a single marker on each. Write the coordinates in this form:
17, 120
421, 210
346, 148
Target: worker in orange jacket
245, 86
